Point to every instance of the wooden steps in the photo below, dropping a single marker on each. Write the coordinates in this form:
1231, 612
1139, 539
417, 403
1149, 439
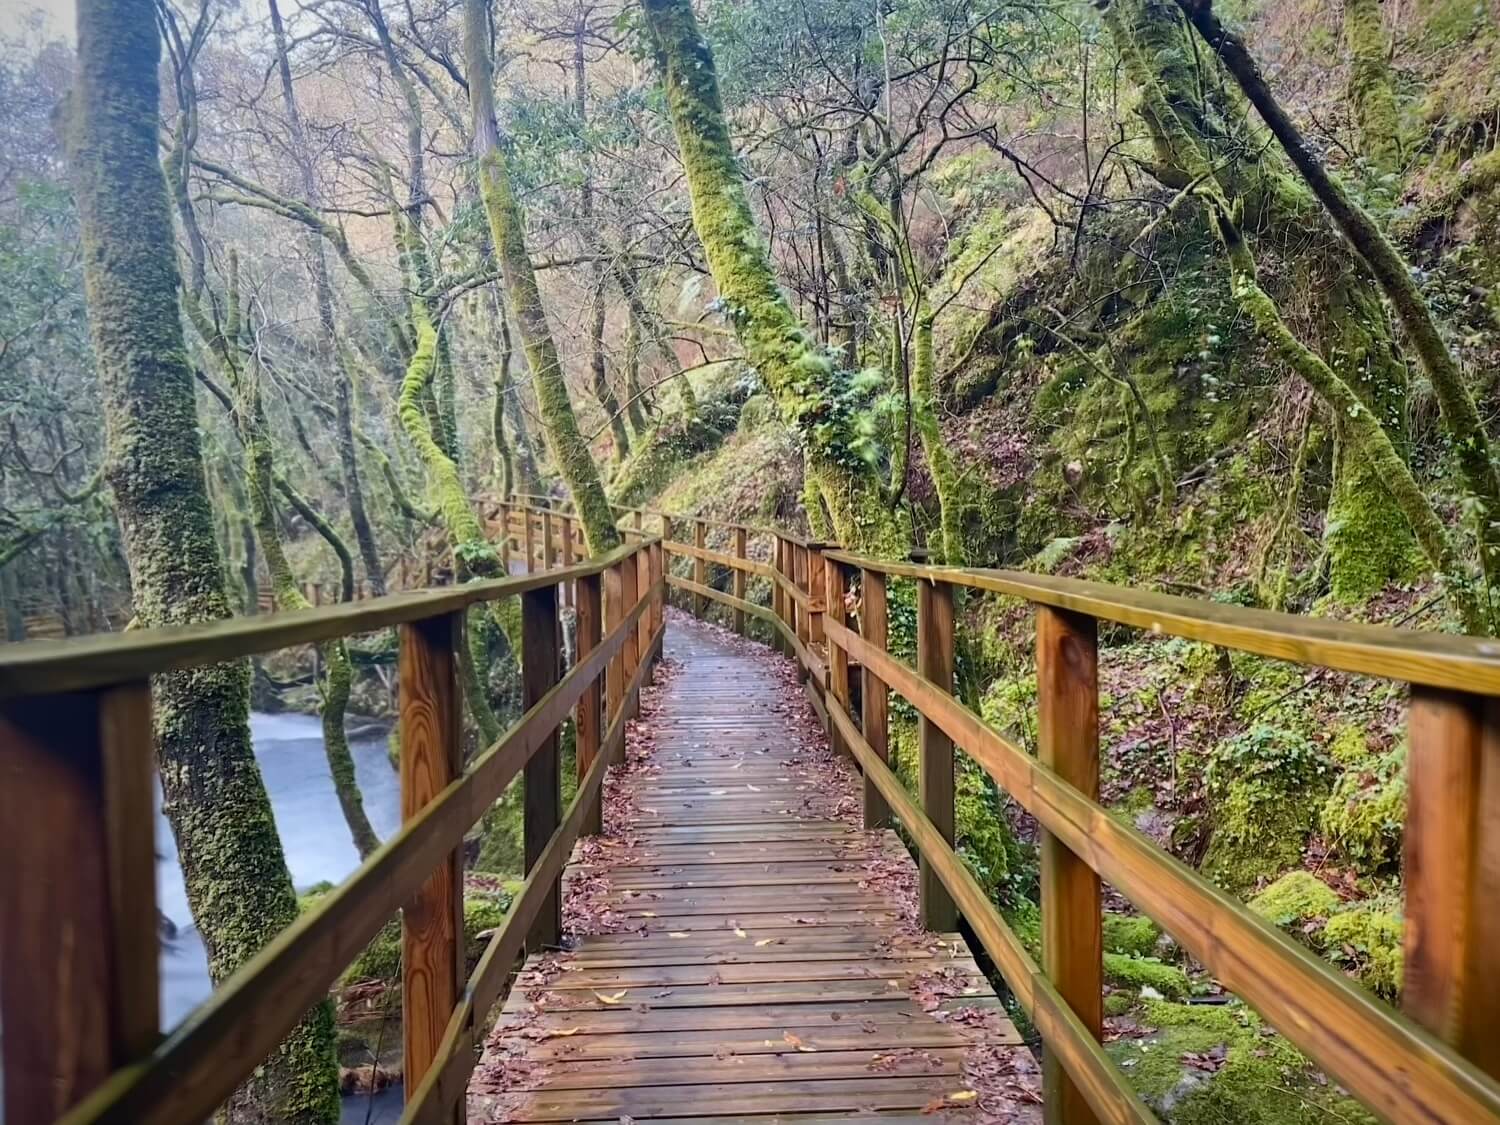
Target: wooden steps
764, 964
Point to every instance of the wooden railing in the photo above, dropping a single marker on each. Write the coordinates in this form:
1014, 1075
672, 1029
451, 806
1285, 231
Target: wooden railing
78, 922
1434, 1061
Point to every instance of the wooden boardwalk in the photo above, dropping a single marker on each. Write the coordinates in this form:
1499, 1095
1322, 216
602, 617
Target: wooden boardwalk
742, 949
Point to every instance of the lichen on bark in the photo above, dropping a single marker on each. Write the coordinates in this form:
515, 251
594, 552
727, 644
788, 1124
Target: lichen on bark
234, 868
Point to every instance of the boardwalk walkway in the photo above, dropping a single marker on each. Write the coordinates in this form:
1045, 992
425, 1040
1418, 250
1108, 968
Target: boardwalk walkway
743, 950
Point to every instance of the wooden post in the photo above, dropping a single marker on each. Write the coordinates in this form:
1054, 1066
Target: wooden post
432, 943
666, 562
530, 541
78, 921
638, 534
549, 545
700, 567
874, 696
543, 795
739, 579
614, 613
799, 611
629, 592
778, 596
838, 660
657, 562
1068, 740
587, 723
817, 590
1451, 871
570, 590
935, 768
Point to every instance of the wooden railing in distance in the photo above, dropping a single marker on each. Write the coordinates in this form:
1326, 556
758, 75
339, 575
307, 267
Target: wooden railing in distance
78, 921
1435, 1061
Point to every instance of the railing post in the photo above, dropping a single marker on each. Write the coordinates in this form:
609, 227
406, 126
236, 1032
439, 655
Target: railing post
530, 540
543, 789
799, 609
549, 545
1067, 667
637, 522
778, 595
874, 696
78, 924
817, 585
570, 591
658, 561
630, 576
700, 567
432, 954
935, 768
587, 724
1451, 871
834, 584
614, 613
739, 579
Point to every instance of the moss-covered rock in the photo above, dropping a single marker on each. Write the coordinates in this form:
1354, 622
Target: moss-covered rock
1363, 817
1132, 934
1238, 1072
1135, 973
1297, 897
1367, 941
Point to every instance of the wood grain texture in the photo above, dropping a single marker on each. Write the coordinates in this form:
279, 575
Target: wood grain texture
432, 921
614, 613
738, 589
700, 565
934, 747
1451, 871
54, 906
588, 721
1068, 744
718, 979
874, 696
1349, 1033
540, 663
834, 584
569, 589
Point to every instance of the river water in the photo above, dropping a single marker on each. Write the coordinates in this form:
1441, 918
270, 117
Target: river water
318, 848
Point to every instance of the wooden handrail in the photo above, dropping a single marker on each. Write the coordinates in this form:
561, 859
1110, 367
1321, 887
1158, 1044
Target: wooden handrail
137, 1076
1437, 1063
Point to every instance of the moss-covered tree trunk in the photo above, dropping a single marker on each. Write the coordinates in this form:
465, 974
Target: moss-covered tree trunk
1372, 93
800, 375
235, 871
570, 452
1200, 124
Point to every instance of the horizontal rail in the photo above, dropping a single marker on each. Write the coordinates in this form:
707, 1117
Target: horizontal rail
762, 612
1108, 1093
81, 663
190, 1074
1442, 660
749, 566
1390, 1063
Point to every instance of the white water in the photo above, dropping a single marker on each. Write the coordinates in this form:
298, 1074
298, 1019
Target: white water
318, 847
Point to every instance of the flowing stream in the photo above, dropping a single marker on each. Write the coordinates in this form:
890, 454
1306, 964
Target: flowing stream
318, 847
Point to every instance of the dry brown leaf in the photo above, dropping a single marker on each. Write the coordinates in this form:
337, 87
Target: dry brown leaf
614, 998
962, 1096
767, 941
564, 1033
795, 1041
739, 932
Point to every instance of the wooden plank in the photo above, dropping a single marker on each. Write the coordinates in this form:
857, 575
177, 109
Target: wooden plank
614, 613
934, 748
1068, 743
629, 591
530, 536
549, 542
588, 722
835, 582
1451, 871
1296, 991
874, 696
817, 573
540, 661
738, 590
432, 958
569, 589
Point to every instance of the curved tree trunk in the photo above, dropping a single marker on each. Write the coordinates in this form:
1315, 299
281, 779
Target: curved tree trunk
800, 375
570, 452
235, 871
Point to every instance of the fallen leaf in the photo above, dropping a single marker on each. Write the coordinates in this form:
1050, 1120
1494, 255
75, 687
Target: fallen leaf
613, 999
794, 1041
753, 788
740, 933
962, 1096
563, 1034
648, 914
717, 792
678, 933
766, 941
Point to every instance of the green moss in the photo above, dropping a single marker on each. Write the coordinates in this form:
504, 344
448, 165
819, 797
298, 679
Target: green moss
1367, 941
1258, 1079
1135, 973
1118, 1003
1130, 934
1363, 818
1298, 896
